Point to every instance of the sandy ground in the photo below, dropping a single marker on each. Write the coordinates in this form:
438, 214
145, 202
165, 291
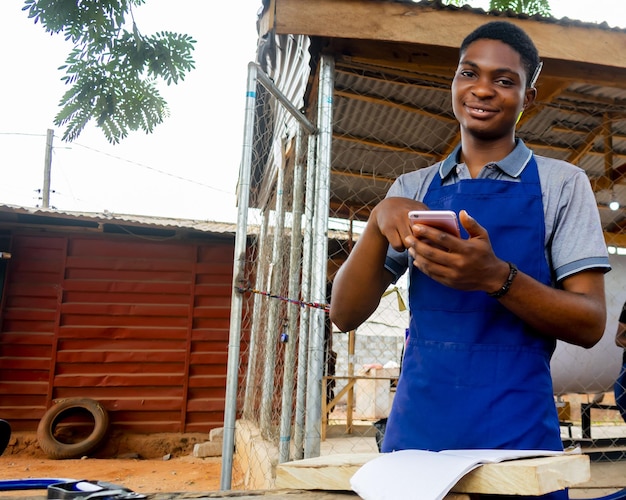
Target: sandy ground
142, 476
168, 466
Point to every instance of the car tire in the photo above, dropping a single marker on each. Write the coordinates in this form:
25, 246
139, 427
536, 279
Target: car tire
49, 426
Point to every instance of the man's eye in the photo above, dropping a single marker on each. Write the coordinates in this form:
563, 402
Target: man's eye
466, 73
505, 82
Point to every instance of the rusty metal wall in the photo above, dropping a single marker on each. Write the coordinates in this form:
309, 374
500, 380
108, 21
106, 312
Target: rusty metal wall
137, 324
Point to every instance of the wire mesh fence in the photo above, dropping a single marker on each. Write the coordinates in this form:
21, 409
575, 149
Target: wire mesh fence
305, 388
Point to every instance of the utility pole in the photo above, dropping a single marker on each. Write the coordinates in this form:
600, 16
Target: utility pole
47, 169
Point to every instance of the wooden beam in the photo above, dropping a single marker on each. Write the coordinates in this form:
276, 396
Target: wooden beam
343, 209
445, 27
585, 71
533, 476
600, 183
405, 77
402, 59
615, 239
586, 146
390, 103
399, 57
359, 175
382, 145
548, 89
329, 472
608, 147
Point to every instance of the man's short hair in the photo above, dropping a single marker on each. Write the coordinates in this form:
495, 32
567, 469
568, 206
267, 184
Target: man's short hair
514, 37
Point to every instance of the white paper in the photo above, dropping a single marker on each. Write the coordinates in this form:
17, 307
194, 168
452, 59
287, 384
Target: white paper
425, 475
494, 456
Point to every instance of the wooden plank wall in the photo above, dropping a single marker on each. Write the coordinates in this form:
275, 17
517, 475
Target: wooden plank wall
31, 299
137, 324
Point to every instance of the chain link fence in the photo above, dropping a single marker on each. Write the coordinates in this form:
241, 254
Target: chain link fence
300, 388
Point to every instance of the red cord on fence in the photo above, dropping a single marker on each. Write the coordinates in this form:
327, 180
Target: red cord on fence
301, 303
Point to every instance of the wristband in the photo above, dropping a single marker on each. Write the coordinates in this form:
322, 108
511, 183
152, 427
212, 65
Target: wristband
507, 284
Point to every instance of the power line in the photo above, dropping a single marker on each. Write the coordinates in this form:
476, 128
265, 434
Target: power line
22, 133
148, 167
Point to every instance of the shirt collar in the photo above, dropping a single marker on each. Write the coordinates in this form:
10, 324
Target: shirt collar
512, 165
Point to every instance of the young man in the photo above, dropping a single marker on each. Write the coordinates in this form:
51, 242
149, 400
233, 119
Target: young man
619, 389
486, 308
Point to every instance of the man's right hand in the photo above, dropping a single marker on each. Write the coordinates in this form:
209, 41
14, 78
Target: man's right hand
391, 218
362, 279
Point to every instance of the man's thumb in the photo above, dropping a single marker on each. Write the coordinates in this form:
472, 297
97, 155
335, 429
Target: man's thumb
472, 227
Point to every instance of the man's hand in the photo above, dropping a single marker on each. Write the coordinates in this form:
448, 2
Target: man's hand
391, 218
462, 264
362, 279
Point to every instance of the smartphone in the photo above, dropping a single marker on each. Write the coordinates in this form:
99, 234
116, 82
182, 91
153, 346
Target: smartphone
445, 220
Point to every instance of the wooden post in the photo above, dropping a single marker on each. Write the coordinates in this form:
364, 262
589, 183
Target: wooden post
45, 194
350, 405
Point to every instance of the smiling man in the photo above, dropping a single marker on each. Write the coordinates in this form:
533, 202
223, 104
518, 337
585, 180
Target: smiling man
486, 307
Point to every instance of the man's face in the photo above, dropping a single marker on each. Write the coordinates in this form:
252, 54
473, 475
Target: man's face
489, 89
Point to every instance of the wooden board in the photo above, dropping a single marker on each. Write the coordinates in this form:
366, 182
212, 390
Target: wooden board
329, 472
423, 24
533, 476
242, 495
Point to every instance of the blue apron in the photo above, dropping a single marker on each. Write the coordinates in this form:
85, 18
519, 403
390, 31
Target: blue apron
473, 374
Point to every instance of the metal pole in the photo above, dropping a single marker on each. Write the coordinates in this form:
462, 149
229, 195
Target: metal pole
320, 261
236, 306
293, 310
251, 370
351, 345
303, 338
47, 170
276, 280
295, 112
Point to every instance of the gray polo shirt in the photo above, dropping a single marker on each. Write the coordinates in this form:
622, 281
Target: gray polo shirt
574, 241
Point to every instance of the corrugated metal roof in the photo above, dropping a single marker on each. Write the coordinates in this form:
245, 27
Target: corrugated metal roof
565, 21
385, 125
6, 211
392, 111
12, 213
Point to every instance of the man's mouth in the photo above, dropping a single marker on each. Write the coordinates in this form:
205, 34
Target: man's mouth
479, 110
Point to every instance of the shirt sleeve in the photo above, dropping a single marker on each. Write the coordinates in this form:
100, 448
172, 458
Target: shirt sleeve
413, 185
577, 241
397, 262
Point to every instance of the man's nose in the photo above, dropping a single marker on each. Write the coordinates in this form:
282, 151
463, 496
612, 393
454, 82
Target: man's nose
483, 87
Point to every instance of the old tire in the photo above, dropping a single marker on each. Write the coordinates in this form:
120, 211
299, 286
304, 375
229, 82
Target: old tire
73, 417
5, 435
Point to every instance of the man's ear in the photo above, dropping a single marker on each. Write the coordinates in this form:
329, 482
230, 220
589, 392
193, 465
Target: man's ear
529, 97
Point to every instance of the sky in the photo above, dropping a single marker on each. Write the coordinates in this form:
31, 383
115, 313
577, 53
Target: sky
188, 167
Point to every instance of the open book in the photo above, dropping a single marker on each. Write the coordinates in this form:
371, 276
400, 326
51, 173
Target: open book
426, 475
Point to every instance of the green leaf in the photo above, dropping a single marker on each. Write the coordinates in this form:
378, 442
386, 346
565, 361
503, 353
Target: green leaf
530, 7
112, 73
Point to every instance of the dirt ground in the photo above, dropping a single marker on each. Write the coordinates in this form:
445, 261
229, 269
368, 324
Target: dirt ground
144, 464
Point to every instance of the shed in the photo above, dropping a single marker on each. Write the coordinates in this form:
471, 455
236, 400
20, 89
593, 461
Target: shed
349, 94
130, 311
393, 66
